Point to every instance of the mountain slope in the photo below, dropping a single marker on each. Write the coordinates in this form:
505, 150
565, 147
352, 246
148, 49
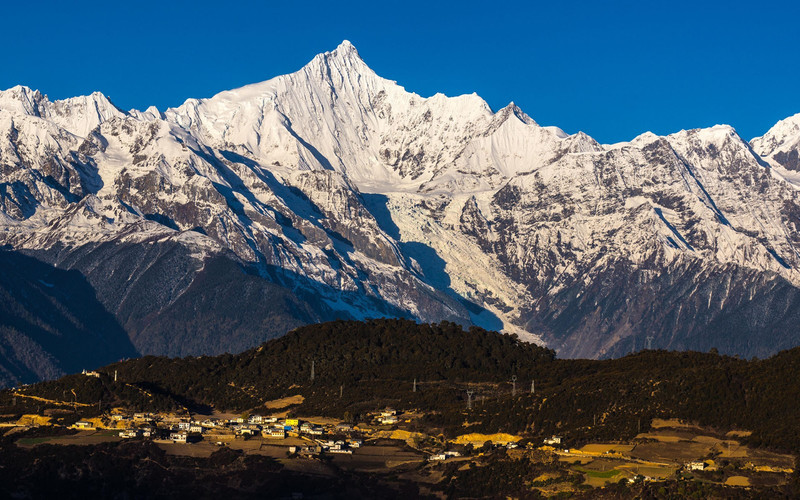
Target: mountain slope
362, 200
51, 323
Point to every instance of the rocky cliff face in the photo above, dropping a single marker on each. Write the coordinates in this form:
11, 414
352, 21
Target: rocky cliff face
332, 192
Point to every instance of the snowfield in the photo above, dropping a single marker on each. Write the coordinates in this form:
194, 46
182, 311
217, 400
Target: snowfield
382, 202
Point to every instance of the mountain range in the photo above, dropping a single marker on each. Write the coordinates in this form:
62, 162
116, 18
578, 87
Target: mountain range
334, 193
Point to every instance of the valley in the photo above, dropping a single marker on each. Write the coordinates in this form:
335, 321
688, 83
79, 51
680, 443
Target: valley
388, 411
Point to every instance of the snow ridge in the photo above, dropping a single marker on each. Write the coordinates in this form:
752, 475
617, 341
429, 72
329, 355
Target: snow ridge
439, 206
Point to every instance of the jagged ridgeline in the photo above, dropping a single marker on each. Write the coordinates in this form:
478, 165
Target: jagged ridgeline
344, 196
363, 366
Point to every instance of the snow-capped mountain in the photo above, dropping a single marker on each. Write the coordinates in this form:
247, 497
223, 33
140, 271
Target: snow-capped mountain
344, 195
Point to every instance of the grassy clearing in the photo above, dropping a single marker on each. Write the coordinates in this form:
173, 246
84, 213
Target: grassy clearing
32, 441
475, 438
276, 404
737, 481
601, 448
601, 474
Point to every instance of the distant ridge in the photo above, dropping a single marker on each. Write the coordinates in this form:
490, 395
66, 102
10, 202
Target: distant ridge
332, 192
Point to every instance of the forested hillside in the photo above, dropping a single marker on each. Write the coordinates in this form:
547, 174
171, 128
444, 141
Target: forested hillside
361, 366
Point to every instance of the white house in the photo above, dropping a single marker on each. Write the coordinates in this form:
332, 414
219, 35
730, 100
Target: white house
696, 465
178, 437
274, 433
553, 440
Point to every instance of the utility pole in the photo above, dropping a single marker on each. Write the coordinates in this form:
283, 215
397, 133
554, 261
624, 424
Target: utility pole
312, 370
533, 386
513, 385
649, 343
415, 385
341, 391
115, 375
469, 399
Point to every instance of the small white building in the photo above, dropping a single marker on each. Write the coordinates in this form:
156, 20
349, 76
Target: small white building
341, 450
274, 433
696, 465
553, 440
178, 437
388, 420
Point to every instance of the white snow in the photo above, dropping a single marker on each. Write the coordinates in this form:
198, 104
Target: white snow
280, 173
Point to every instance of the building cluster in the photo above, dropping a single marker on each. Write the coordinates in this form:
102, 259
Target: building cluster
553, 441
389, 416
443, 456
187, 430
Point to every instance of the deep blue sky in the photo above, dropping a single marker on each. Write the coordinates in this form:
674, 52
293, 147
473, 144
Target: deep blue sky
611, 69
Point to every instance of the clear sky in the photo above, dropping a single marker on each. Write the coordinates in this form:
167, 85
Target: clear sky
612, 69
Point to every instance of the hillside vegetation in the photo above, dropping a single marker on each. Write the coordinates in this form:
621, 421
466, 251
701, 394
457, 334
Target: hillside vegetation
361, 366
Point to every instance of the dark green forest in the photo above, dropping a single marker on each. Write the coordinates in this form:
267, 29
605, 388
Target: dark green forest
374, 363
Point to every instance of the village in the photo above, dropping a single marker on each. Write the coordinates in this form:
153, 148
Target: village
276, 435
381, 441
305, 438
397, 441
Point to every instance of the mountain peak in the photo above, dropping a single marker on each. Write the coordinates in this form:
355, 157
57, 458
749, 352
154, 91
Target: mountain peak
21, 99
343, 56
782, 140
513, 109
347, 47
